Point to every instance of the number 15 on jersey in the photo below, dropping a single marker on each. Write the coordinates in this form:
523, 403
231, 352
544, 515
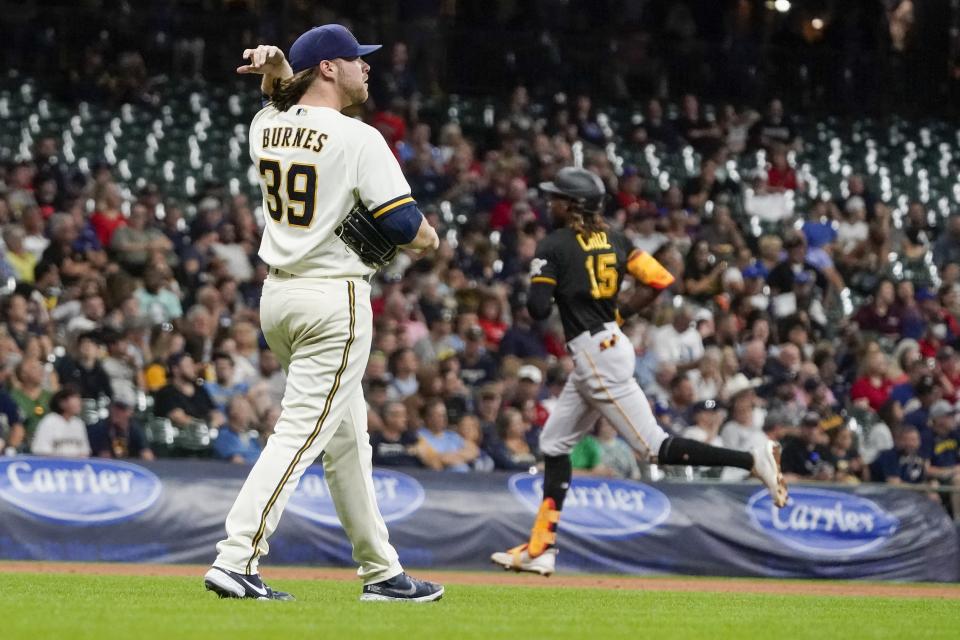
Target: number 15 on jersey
602, 272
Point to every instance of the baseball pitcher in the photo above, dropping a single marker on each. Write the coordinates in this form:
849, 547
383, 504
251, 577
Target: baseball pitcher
337, 207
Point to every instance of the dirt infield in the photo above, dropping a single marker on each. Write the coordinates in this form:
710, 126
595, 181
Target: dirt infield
664, 583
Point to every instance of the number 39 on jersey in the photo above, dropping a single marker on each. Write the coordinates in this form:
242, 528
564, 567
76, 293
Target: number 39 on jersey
296, 185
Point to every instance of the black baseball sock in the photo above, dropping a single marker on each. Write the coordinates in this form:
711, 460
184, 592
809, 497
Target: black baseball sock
557, 472
691, 452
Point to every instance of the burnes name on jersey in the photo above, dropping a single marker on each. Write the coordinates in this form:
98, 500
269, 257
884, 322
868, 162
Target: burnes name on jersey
299, 137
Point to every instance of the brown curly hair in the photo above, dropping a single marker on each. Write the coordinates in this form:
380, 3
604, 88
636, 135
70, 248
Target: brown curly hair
288, 92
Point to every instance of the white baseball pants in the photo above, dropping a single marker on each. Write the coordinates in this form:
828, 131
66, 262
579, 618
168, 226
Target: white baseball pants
320, 330
601, 384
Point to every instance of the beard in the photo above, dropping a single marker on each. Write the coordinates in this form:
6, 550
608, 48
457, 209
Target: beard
355, 93
358, 94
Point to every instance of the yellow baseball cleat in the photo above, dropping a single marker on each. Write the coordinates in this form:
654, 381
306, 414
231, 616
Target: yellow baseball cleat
519, 559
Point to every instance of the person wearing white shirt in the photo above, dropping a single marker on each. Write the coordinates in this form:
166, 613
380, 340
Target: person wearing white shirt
743, 431
706, 416
61, 433
679, 342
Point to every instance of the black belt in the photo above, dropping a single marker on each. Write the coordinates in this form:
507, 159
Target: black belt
609, 342
286, 274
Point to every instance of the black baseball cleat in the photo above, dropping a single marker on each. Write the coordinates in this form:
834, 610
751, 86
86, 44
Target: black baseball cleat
228, 584
402, 588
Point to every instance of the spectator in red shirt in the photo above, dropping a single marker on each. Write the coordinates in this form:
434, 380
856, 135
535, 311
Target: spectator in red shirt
491, 321
502, 214
948, 373
630, 192
874, 384
781, 176
108, 218
942, 327
391, 124
529, 389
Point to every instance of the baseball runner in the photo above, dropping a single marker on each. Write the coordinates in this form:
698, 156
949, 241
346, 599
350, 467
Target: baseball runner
337, 208
581, 265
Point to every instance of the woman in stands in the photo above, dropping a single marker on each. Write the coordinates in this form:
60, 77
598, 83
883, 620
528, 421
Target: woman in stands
61, 432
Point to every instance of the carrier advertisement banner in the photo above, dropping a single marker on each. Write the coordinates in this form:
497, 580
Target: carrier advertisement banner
173, 511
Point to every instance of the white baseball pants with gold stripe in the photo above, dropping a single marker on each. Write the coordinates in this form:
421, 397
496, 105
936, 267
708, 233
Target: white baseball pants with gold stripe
320, 330
602, 384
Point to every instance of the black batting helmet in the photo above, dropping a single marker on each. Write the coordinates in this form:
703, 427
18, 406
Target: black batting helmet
579, 185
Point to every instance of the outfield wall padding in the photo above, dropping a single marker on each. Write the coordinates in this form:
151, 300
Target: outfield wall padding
173, 511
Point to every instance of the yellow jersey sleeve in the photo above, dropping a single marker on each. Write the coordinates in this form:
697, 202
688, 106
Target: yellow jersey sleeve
647, 270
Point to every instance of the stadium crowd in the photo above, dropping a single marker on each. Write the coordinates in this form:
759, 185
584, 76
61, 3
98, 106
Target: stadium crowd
130, 320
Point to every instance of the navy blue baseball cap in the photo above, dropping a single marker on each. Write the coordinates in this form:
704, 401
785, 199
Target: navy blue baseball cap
326, 42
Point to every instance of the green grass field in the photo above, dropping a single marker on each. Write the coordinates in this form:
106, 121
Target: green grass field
61, 606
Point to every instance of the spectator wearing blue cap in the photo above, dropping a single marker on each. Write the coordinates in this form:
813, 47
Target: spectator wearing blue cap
754, 277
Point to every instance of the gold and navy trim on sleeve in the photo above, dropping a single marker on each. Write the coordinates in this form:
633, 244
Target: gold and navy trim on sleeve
543, 279
390, 205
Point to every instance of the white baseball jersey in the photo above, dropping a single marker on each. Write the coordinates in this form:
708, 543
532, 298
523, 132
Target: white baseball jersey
315, 163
